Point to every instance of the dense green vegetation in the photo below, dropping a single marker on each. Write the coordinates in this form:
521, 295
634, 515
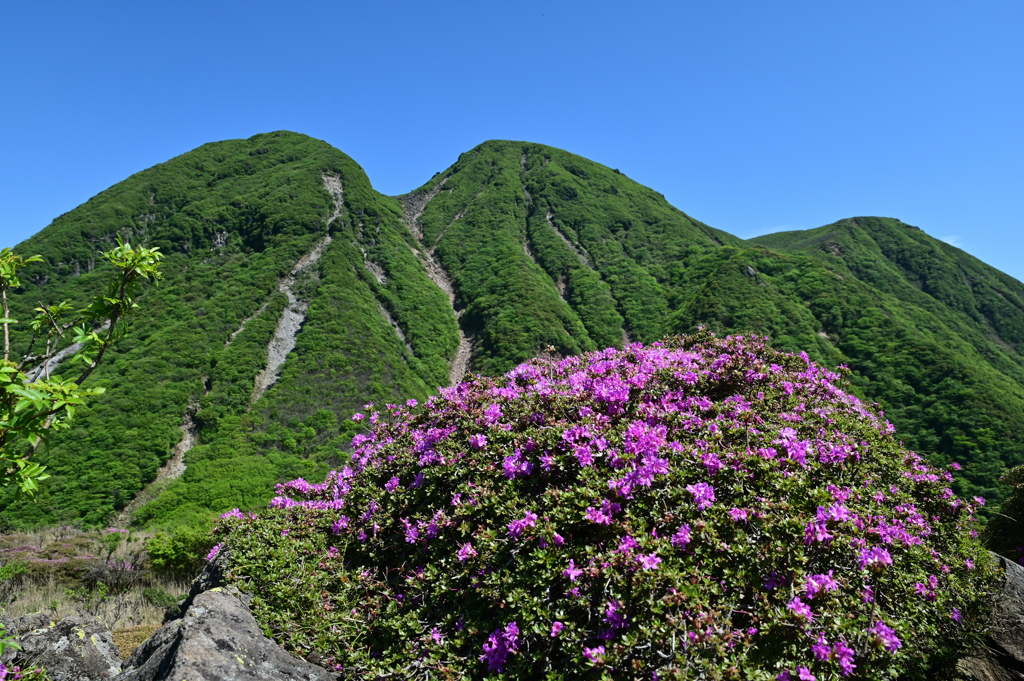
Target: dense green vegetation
232, 217
542, 248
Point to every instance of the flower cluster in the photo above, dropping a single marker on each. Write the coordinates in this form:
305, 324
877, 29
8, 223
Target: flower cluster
16, 673
696, 505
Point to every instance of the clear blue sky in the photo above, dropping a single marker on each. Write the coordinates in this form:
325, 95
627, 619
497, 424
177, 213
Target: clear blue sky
751, 116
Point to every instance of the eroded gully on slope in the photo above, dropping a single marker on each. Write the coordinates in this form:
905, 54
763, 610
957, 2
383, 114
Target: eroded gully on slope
280, 345
294, 314
414, 205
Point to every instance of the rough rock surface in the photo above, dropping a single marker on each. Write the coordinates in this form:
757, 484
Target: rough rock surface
214, 575
216, 639
1001, 657
73, 649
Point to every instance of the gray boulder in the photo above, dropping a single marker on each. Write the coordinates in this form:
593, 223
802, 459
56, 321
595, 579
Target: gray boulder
1001, 657
217, 638
73, 649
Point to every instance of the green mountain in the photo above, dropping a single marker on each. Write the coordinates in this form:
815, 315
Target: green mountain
294, 293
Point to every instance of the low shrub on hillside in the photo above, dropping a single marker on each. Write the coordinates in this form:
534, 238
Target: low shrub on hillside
1004, 532
180, 553
702, 508
104, 573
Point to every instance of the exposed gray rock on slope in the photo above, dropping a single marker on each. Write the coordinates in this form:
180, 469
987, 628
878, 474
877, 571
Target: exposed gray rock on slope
216, 639
1001, 656
73, 649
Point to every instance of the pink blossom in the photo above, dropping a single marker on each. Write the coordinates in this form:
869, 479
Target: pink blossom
466, 551
800, 609
703, 494
572, 572
649, 561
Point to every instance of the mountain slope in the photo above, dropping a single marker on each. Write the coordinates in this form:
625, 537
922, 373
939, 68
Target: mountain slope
294, 293
234, 218
944, 397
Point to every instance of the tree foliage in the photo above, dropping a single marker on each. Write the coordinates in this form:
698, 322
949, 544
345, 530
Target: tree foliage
34, 404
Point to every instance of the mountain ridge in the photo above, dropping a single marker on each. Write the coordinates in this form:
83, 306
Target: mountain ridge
513, 249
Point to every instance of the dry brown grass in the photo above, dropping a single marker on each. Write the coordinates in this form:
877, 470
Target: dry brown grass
127, 640
133, 610
62, 558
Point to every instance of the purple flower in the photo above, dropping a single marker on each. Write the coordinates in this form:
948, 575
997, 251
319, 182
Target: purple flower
703, 494
603, 515
477, 441
969, 564
584, 455
836, 513
516, 527
712, 463
844, 655
498, 647
594, 654
801, 609
682, 537
627, 544
516, 465
738, 514
412, 533
614, 616
214, 551
339, 525
874, 559
821, 649
556, 629
392, 484
955, 614
816, 531
492, 414
805, 674
466, 551
649, 561
816, 583
572, 572
885, 636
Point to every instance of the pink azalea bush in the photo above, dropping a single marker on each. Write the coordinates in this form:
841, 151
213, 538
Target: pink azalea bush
699, 508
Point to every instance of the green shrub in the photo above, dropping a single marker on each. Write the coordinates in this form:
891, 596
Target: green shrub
1004, 532
181, 553
159, 598
10, 582
701, 509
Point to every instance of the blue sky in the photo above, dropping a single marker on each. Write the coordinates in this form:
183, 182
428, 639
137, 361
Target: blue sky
752, 117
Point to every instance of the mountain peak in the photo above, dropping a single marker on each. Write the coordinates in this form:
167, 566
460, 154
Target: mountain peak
286, 268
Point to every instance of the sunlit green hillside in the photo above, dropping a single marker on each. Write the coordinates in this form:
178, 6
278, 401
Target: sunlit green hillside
515, 249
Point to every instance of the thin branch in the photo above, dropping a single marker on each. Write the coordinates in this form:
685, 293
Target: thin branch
7, 338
